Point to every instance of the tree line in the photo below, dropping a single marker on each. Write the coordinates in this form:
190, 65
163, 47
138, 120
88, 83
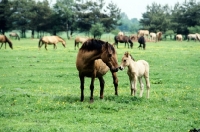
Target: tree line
182, 18
95, 17
64, 15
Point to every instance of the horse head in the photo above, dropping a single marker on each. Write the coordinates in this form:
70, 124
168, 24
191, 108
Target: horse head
109, 57
125, 60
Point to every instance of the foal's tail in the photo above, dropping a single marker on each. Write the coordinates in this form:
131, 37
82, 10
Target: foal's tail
9, 42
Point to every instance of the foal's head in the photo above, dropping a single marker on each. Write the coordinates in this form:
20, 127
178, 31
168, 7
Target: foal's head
126, 60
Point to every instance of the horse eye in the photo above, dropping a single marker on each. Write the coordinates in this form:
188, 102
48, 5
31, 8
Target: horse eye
110, 55
124, 60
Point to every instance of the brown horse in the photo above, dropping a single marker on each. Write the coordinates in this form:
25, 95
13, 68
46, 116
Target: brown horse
79, 40
51, 40
123, 39
94, 59
13, 34
4, 39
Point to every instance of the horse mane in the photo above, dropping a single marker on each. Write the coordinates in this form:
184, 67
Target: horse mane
95, 44
127, 54
60, 37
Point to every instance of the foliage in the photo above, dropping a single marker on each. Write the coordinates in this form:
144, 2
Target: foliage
195, 29
97, 30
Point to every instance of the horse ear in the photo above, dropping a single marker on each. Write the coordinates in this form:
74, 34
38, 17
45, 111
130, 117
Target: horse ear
126, 54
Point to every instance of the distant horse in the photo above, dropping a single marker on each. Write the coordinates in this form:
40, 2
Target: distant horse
4, 39
142, 42
12, 34
179, 37
123, 39
94, 59
79, 40
153, 36
121, 33
193, 36
50, 40
136, 70
159, 36
144, 32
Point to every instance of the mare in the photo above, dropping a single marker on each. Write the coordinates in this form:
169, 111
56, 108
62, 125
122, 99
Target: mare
179, 37
94, 59
159, 36
123, 39
153, 36
4, 39
51, 40
136, 70
79, 40
142, 42
13, 34
144, 32
193, 36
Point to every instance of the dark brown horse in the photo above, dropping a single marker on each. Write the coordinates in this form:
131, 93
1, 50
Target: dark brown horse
13, 34
142, 42
94, 59
4, 39
123, 39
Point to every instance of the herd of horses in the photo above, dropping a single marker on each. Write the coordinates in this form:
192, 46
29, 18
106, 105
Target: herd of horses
96, 57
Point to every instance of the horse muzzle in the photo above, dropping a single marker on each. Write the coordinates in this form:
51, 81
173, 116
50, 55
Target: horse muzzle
121, 68
114, 70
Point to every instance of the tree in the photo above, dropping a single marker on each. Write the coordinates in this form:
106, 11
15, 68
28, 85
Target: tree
97, 30
4, 16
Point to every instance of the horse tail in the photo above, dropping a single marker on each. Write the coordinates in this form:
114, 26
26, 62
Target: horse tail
39, 45
9, 42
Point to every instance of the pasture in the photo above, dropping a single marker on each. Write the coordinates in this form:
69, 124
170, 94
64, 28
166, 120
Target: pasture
40, 90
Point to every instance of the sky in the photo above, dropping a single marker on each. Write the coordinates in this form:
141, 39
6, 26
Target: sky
135, 8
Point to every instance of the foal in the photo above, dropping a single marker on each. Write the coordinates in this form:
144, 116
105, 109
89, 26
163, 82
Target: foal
136, 70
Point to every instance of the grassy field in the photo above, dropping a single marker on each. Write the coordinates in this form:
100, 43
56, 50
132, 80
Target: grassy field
40, 91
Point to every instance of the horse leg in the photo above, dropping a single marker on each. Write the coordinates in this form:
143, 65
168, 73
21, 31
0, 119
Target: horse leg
1, 45
133, 85
148, 84
82, 87
115, 82
102, 82
46, 46
141, 86
92, 89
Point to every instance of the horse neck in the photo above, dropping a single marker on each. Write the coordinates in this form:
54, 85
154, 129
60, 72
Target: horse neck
132, 64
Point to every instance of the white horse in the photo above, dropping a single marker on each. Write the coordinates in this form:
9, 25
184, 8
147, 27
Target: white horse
193, 36
179, 37
143, 32
136, 70
153, 36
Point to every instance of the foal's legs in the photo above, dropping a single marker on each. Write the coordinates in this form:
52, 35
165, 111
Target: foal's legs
141, 86
133, 84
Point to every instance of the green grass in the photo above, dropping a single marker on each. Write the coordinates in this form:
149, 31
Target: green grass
40, 91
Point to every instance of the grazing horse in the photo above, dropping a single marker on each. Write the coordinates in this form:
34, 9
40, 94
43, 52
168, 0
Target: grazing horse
79, 40
50, 40
136, 70
13, 34
123, 39
94, 59
142, 42
179, 37
143, 32
193, 36
4, 39
159, 36
153, 36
